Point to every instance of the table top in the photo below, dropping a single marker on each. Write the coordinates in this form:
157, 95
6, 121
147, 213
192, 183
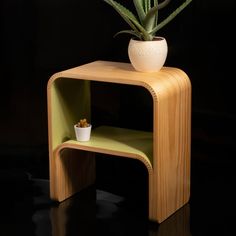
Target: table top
124, 73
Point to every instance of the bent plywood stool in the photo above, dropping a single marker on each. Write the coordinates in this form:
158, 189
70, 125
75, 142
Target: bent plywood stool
165, 152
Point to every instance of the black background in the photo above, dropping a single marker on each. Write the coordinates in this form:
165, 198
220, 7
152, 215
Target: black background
41, 37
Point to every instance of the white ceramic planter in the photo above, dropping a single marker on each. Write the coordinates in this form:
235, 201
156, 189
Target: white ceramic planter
148, 56
83, 134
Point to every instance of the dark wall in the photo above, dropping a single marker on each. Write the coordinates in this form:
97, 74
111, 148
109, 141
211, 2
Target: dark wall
41, 37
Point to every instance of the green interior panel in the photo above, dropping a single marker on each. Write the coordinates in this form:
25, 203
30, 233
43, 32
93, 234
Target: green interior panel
70, 101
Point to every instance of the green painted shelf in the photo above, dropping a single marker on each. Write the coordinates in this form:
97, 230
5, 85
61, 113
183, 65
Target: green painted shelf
117, 141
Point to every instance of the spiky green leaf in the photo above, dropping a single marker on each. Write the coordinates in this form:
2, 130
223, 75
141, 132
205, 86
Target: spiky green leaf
147, 5
163, 4
156, 17
130, 18
140, 9
136, 34
171, 16
149, 21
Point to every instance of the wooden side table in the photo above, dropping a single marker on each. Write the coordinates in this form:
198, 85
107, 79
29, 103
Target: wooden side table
165, 152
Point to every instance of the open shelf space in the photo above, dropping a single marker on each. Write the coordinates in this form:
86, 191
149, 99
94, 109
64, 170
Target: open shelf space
121, 105
117, 141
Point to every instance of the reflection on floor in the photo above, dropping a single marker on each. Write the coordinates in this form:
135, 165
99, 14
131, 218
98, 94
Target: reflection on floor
91, 212
26, 208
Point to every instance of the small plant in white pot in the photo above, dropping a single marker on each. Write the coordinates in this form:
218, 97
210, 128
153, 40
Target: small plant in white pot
147, 51
82, 130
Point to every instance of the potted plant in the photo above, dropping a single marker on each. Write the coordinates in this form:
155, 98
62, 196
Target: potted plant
82, 130
147, 52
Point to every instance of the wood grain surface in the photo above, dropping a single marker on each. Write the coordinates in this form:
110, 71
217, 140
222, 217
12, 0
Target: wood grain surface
169, 163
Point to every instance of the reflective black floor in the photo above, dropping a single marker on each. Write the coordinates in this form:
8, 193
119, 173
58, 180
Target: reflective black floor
27, 210
91, 212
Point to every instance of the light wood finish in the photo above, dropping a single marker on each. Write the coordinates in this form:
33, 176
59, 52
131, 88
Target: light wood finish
169, 166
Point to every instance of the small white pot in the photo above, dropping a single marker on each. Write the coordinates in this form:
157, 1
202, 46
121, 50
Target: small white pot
83, 134
148, 56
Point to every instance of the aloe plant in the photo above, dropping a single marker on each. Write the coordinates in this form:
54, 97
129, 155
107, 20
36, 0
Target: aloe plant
145, 25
